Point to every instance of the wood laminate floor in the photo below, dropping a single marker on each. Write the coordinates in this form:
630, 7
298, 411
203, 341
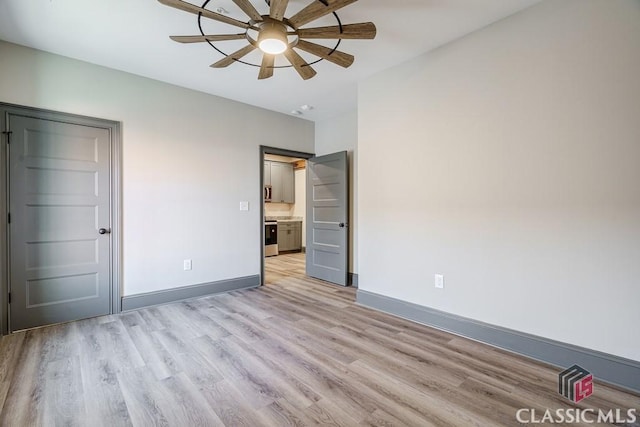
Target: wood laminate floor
295, 352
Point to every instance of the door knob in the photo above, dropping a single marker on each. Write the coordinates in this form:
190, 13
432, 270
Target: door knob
104, 231
341, 225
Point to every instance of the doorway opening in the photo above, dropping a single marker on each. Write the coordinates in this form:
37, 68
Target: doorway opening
283, 212
326, 215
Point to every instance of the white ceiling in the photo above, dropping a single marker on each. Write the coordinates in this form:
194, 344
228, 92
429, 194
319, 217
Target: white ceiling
132, 36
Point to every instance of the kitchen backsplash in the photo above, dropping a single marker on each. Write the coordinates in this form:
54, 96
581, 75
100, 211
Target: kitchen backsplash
278, 209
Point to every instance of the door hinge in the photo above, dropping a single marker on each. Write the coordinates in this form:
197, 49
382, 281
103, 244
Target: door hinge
8, 133
8, 218
9, 297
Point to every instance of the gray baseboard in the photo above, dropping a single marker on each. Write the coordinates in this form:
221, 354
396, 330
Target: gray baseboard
133, 302
353, 280
605, 367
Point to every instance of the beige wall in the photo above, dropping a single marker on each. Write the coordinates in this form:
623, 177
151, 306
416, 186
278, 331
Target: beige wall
509, 162
188, 161
340, 133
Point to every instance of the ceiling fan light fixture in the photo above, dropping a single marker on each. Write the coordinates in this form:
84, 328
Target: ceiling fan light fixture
272, 46
277, 33
272, 38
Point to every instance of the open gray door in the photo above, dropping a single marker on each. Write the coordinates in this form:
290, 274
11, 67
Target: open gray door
327, 213
59, 201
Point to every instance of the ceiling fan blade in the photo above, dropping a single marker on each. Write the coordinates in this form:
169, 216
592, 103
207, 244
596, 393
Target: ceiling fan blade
278, 8
339, 58
317, 10
365, 30
248, 8
231, 58
266, 69
188, 7
301, 66
213, 38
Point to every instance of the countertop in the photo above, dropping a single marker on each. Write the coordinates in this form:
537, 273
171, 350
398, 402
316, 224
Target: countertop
284, 218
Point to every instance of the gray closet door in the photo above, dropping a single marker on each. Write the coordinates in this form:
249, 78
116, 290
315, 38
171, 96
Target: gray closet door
59, 199
327, 213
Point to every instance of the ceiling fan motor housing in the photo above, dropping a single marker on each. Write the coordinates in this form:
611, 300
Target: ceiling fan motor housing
272, 38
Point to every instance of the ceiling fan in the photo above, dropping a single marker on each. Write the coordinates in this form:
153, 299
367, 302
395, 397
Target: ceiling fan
274, 34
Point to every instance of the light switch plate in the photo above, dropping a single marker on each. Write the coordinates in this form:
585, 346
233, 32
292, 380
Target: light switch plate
439, 281
187, 264
244, 206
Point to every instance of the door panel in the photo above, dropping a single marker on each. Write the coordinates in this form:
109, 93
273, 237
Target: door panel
59, 196
327, 213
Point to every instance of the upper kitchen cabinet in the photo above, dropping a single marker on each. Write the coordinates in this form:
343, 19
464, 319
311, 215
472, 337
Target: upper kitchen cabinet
282, 182
267, 173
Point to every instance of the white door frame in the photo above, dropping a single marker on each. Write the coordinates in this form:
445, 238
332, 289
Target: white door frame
278, 152
114, 129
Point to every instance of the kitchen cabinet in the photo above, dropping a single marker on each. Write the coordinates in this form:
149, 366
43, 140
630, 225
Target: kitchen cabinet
267, 173
281, 178
289, 236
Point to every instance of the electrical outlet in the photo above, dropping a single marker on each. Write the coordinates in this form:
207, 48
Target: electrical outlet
439, 281
244, 206
187, 264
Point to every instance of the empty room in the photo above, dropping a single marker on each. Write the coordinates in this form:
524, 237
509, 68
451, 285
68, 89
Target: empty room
319, 212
